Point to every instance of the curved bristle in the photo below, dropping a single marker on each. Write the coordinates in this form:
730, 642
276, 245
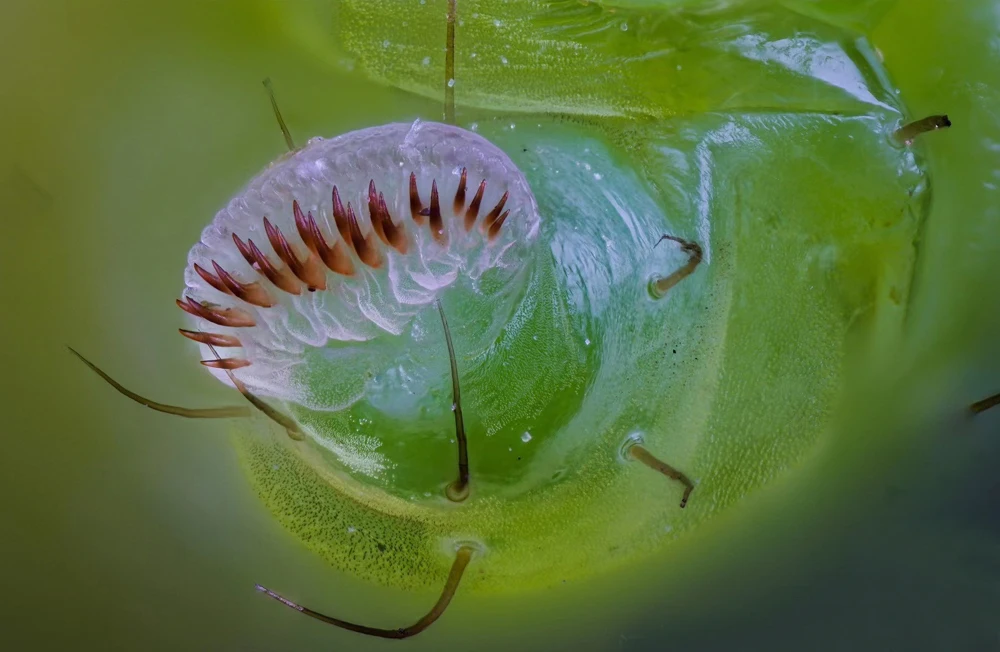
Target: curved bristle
492, 216
231, 317
306, 271
282, 279
395, 233
213, 339
460, 193
416, 206
495, 229
227, 363
245, 251
252, 293
209, 278
375, 214
473, 212
336, 258
363, 246
340, 217
437, 224
302, 226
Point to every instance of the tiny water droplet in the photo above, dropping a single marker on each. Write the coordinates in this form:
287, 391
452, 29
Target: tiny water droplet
385, 43
474, 127
597, 176
473, 55
351, 530
526, 437
451, 83
426, 61
453, 407
496, 22
587, 341
503, 60
624, 27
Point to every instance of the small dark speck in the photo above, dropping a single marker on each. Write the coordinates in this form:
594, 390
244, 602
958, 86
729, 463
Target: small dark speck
381, 547
675, 350
525, 149
518, 459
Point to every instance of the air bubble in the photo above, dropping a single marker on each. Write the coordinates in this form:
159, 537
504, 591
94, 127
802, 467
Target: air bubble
503, 60
451, 83
526, 437
426, 61
624, 27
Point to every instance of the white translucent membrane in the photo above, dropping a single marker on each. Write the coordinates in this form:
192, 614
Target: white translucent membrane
372, 303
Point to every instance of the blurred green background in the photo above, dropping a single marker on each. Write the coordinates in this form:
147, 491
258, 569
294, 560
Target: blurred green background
124, 126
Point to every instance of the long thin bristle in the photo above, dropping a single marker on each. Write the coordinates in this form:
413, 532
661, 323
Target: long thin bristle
227, 412
277, 115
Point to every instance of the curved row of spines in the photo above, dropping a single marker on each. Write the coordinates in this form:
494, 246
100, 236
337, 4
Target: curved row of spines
308, 271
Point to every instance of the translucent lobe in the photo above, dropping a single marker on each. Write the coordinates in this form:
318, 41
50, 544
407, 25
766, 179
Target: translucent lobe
334, 246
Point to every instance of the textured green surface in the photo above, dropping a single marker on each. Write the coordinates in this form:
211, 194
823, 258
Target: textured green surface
125, 125
808, 217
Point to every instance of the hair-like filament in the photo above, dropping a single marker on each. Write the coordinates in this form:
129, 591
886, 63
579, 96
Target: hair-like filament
277, 116
981, 406
458, 490
906, 134
462, 559
660, 285
449, 64
278, 417
228, 412
639, 452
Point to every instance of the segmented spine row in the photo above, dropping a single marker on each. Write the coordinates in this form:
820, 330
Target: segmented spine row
308, 270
